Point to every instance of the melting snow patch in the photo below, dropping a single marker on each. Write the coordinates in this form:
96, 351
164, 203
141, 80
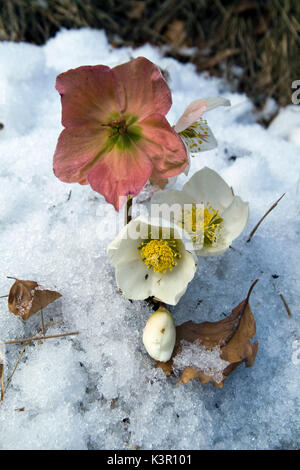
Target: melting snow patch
206, 360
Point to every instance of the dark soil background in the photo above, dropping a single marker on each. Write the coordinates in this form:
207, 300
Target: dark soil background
255, 44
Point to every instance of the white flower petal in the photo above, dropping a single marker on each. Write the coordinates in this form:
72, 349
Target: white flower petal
159, 335
171, 196
124, 248
214, 102
171, 286
205, 140
135, 280
212, 250
235, 218
207, 186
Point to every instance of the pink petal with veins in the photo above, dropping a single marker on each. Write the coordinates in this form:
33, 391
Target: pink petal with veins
76, 152
163, 146
88, 95
145, 90
120, 173
191, 114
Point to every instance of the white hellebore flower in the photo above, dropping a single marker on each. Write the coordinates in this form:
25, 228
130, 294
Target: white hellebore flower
193, 129
159, 335
151, 259
207, 210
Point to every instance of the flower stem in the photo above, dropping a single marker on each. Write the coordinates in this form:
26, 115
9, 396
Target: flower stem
128, 209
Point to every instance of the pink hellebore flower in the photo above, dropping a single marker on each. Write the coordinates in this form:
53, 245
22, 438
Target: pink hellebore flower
116, 135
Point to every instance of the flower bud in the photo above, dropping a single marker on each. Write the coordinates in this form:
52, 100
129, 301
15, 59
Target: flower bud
159, 335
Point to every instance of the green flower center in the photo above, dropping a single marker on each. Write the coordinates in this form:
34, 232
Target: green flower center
122, 131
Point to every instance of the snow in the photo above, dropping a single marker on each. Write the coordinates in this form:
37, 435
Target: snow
205, 360
287, 124
100, 390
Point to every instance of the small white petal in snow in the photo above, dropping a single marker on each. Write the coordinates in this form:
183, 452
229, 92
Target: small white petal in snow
159, 335
215, 101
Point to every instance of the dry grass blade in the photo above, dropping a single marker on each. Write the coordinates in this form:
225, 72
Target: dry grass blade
39, 338
42, 322
263, 217
2, 381
266, 33
217, 58
28, 341
15, 367
286, 305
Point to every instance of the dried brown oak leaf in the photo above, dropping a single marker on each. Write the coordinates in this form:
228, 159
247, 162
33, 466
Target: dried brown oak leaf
231, 335
27, 297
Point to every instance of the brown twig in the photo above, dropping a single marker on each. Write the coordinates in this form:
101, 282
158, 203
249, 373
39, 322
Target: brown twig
263, 217
3, 296
15, 367
217, 58
28, 341
39, 338
2, 381
286, 305
42, 321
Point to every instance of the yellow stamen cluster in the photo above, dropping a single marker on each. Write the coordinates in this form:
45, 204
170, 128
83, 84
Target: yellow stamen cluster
195, 134
160, 254
202, 223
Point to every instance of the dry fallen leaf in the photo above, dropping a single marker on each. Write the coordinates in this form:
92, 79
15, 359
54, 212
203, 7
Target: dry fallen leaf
231, 336
27, 297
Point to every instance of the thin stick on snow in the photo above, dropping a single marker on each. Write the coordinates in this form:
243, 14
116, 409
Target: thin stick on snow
263, 217
42, 321
15, 367
39, 338
2, 381
286, 305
